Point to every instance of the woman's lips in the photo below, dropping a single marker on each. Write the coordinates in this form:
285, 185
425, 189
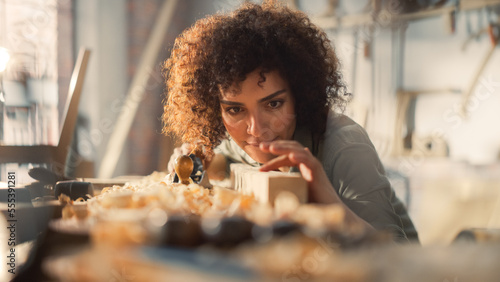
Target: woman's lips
257, 144
253, 144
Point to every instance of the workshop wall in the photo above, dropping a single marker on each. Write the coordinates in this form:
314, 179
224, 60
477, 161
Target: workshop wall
428, 55
436, 59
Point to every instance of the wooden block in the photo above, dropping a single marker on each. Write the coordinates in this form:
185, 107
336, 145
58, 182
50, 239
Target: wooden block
266, 186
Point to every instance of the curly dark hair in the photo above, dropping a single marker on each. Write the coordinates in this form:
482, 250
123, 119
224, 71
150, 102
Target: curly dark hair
220, 50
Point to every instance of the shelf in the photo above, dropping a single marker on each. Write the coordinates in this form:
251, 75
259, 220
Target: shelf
349, 21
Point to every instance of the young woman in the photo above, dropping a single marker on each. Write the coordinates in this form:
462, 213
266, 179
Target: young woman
263, 86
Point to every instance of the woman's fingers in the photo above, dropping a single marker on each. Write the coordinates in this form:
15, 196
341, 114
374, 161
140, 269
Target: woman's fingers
281, 147
291, 153
276, 163
186, 148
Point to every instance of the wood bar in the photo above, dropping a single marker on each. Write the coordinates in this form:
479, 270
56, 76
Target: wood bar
266, 186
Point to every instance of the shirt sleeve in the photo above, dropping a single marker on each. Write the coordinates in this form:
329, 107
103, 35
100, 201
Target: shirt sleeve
358, 176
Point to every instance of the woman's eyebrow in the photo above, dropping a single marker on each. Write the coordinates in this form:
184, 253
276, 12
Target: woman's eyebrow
269, 97
231, 103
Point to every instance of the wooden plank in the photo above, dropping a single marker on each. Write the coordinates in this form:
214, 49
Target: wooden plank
477, 4
266, 186
71, 108
136, 90
100, 183
27, 154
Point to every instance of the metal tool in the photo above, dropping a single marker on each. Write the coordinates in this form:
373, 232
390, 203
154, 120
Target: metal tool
197, 174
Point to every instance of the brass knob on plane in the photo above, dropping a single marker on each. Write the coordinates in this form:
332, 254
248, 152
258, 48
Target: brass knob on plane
184, 167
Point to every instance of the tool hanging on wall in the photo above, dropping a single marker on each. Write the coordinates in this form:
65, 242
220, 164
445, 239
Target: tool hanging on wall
398, 38
493, 31
358, 111
354, 62
468, 27
427, 145
375, 6
368, 50
405, 109
371, 48
331, 10
450, 19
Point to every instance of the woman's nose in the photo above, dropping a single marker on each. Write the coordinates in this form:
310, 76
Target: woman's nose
256, 126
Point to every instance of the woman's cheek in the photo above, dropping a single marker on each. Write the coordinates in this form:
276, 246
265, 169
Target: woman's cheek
281, 122
277, 124
233, 127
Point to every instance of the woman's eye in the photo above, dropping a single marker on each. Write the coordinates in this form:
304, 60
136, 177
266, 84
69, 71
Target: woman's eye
275, 104
233, 110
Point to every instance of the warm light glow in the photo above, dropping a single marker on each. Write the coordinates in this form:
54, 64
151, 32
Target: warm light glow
4, 58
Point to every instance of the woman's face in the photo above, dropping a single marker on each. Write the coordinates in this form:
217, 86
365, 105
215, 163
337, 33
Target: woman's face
259, 111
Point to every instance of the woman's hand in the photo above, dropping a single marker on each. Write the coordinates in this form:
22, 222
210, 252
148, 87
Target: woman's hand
292, 153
